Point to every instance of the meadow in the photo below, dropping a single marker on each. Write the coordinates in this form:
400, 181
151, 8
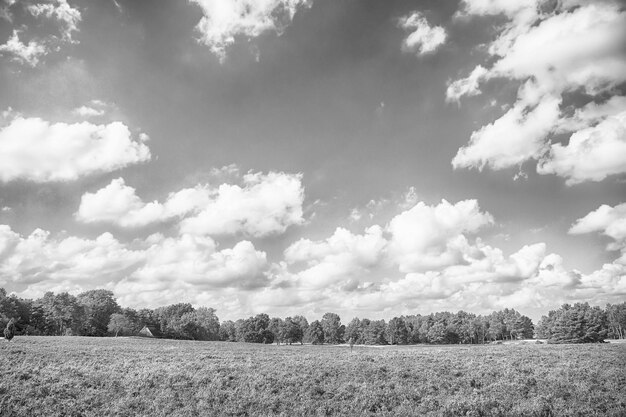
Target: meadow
80, 376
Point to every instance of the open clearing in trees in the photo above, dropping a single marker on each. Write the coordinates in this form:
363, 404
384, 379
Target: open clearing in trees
131, 376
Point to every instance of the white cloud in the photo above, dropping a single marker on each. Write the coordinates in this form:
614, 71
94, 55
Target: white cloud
610, 221
159, 267
37, 261
466, 86
195, 261
36, 150
60, 10
572, 46
347, 272
430, 237
87, 111
94, 108
265, 205
344, 257
224, 20
5, 12
592, 154
118, 203
423, 38
28, 54
517, 136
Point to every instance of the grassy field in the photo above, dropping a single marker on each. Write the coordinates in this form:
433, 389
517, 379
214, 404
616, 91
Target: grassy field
124, 376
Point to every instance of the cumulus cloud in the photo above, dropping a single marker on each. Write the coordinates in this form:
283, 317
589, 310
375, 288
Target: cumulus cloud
468, 86
610, 221
38, 263
423, 38
28, 54
94, 108
567, 47
225, 20
344, 257
195, 261
592, 154
60, 10
375, 271
36, 150
119, 204
430, 237
264, 205
31, 53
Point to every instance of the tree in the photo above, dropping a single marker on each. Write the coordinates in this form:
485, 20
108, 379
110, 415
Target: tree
208, 323
228, 332
316, 333
616, 319
98, 307
120, 324
397, 333
169, 319
275, 327
63, 312
579, 323
9, 331
353, 331
523, 328
291, 331
374, 333
255, 329
303, 323
331, 323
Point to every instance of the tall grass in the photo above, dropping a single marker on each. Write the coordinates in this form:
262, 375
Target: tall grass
51, 376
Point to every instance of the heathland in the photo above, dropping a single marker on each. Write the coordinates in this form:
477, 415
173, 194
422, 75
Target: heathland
54, 376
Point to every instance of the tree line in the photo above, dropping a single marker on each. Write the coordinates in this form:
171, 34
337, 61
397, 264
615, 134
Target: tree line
97, 313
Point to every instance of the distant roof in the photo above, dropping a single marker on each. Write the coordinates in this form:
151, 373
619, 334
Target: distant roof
150, 330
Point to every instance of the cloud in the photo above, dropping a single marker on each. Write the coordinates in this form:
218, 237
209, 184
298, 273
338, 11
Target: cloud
344, 257
61, 11
37, 261
370, 272
94, 108
466, 86
86, 111
592, 154
5, 12
568, 47
225, 20
512, 139
265, 205
36, 150
423, 38
195, 261
31, 53
430, 237
27, 54
610, 221
193, 265
119, 204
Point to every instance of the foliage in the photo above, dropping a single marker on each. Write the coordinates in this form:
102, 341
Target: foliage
119, 324
98, 306
333, 331
578, 323
90, 313
316, 333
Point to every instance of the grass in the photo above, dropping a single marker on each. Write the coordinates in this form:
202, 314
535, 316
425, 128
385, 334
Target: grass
76, 376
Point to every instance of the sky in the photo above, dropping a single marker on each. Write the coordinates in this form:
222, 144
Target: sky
370, 158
